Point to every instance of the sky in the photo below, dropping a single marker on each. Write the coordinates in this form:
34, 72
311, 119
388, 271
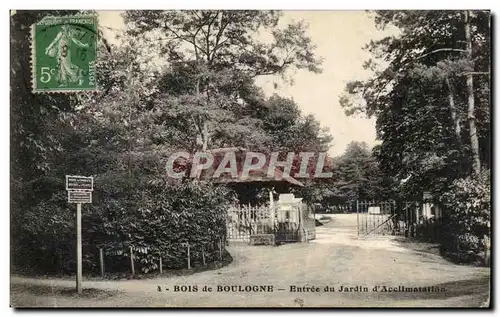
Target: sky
339, 37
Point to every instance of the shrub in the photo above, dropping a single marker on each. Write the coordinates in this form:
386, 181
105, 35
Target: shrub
149, 214
468, 214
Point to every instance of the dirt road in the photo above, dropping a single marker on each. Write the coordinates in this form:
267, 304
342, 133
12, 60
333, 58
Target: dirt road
337, 259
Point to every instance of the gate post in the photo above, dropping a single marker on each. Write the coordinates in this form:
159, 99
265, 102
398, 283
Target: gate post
271, 208
357, 214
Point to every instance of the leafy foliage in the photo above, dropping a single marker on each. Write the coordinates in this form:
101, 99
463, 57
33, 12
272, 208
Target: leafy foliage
356, 175
468, 207
418, 94
31, 114
430, 94
213, 58
158, 220
158, 95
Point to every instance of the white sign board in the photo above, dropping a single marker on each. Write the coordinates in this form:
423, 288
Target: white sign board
374, 210
83, 183
79, 197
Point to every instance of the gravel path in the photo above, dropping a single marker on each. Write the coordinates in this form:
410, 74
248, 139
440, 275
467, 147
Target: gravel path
337, 258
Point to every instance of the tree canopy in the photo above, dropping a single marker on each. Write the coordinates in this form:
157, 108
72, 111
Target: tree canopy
429, 94
178, 81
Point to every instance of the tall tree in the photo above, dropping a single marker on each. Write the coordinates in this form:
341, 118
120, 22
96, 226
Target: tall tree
476, 163
423, 95
221, 55
357, 175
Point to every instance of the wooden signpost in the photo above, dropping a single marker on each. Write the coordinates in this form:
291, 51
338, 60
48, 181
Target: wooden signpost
79, 192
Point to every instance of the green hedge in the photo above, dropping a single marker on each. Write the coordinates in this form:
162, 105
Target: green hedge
149, 214
467, 206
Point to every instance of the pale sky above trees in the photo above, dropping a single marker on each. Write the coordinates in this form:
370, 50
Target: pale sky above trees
339, 37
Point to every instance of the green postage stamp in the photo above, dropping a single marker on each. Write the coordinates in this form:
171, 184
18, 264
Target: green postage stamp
64, 51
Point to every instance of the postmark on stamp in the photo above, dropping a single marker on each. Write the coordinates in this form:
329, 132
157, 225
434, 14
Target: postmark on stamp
64, 51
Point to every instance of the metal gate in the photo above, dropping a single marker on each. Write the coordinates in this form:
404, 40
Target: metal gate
406, 218
375, 217
243, 221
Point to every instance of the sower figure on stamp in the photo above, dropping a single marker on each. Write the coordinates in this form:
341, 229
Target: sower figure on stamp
60, 48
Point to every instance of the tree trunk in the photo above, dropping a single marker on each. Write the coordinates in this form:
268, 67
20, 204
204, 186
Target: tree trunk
205, 136
453, 111
203, 125
131, 99
474, 142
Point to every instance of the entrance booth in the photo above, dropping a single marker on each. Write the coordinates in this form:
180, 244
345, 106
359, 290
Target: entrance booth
289, 219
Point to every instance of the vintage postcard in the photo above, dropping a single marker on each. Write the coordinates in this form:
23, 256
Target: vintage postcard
250, 158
